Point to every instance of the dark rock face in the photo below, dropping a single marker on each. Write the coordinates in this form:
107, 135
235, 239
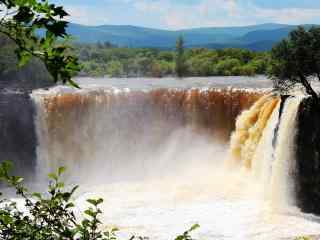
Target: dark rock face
308, 157
17, 132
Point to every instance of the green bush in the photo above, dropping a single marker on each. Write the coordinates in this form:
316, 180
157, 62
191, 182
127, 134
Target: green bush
224, 67
51, 216
115, 69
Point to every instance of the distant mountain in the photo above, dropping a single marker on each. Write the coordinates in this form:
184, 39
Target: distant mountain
256, 37
267, 35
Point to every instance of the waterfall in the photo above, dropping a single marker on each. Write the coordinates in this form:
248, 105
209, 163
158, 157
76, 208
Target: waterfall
112, 134
117, 134
159, 156
283, 165
249, 129
253, 146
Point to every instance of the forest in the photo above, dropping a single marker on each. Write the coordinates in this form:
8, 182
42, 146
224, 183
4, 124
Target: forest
105, 59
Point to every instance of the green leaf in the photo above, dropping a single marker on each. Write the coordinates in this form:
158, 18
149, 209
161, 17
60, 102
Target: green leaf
53, 176
194, 227
60, 185
24, 15
6, 166
115, 229
99, 201
92, 202
37, 195
24, 57
73, 84
18, 180
61, 170
74, 189
70, 205
90, 213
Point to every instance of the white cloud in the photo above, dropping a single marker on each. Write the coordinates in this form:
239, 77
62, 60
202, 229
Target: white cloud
87, 15
288, 15
175, 16
172, 15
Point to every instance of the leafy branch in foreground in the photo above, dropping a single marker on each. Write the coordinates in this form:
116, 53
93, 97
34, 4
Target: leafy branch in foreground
187, 234
37, 28
51, 215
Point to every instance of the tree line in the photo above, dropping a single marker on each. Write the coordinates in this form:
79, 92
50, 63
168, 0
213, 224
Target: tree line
105, 59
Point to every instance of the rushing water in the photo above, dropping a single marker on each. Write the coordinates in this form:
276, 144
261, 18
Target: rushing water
158, 152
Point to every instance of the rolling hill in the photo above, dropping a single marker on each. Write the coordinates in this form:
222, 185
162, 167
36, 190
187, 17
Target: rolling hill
256, 37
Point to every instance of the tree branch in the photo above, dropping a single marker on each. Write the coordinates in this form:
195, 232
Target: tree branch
308, 87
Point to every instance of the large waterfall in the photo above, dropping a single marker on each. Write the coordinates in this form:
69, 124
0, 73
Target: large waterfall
119, 134
106, 134
241, 162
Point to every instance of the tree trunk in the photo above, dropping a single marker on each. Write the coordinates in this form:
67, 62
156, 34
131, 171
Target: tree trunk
309, 89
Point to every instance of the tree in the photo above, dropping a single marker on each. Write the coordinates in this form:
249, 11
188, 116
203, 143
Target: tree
115, 69
296, 60
38, 28
180, 60
224, 67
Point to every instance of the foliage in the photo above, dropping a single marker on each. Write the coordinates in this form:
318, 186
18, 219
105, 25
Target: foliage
37, 27
296, 60
141, 62
114, 68
186, 235
180, 67
51, 216
32, 75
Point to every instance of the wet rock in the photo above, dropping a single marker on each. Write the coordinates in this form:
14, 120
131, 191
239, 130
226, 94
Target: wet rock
17, 131
308, 157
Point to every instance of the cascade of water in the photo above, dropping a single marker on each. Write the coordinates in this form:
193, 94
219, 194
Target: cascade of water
253, 146
249, 129
121, 133
284, 163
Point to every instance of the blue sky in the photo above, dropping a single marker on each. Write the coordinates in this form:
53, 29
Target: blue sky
179, 14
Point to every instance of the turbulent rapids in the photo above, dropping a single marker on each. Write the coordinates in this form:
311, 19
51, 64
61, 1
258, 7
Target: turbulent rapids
232, 159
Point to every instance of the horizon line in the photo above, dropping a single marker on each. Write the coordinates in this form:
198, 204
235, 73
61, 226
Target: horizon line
192, 28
